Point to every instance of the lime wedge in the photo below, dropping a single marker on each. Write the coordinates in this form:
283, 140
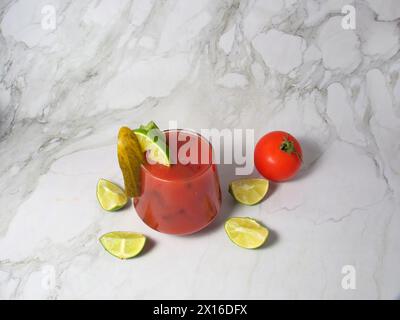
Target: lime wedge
152, 140
130, 159
249, 191
111, 197
246, 232
123, 245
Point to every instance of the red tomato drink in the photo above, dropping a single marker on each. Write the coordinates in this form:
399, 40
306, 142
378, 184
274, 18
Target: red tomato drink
185, 197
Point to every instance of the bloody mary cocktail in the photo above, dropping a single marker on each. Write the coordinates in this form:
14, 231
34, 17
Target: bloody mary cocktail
184, 197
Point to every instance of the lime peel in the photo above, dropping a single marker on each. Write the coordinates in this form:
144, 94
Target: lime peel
246, 232
110, 196
152, 141
249, 191
123, 244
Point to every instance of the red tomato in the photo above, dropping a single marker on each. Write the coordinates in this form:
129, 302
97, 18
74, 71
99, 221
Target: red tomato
278, 156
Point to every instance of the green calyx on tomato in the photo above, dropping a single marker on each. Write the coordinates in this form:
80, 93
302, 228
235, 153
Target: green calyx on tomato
288, 147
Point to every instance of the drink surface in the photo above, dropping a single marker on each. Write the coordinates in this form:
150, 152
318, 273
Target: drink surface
190, 155
186, 196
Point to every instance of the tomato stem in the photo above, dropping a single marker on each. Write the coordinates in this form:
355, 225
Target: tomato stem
288, 147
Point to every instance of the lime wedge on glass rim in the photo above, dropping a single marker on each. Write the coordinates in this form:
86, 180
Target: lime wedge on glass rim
111, 197
123, 244
152, 140
249, 191
246, 232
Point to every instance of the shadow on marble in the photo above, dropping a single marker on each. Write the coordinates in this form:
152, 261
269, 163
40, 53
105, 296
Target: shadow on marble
129, 205
273, 238
311, 155
273, 186
149, 245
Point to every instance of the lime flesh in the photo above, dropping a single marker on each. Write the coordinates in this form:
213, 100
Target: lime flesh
123, 244
246, 232
152, 141
249, 191
111, 197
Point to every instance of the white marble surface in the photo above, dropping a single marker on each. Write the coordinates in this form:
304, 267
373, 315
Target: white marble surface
264, 65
